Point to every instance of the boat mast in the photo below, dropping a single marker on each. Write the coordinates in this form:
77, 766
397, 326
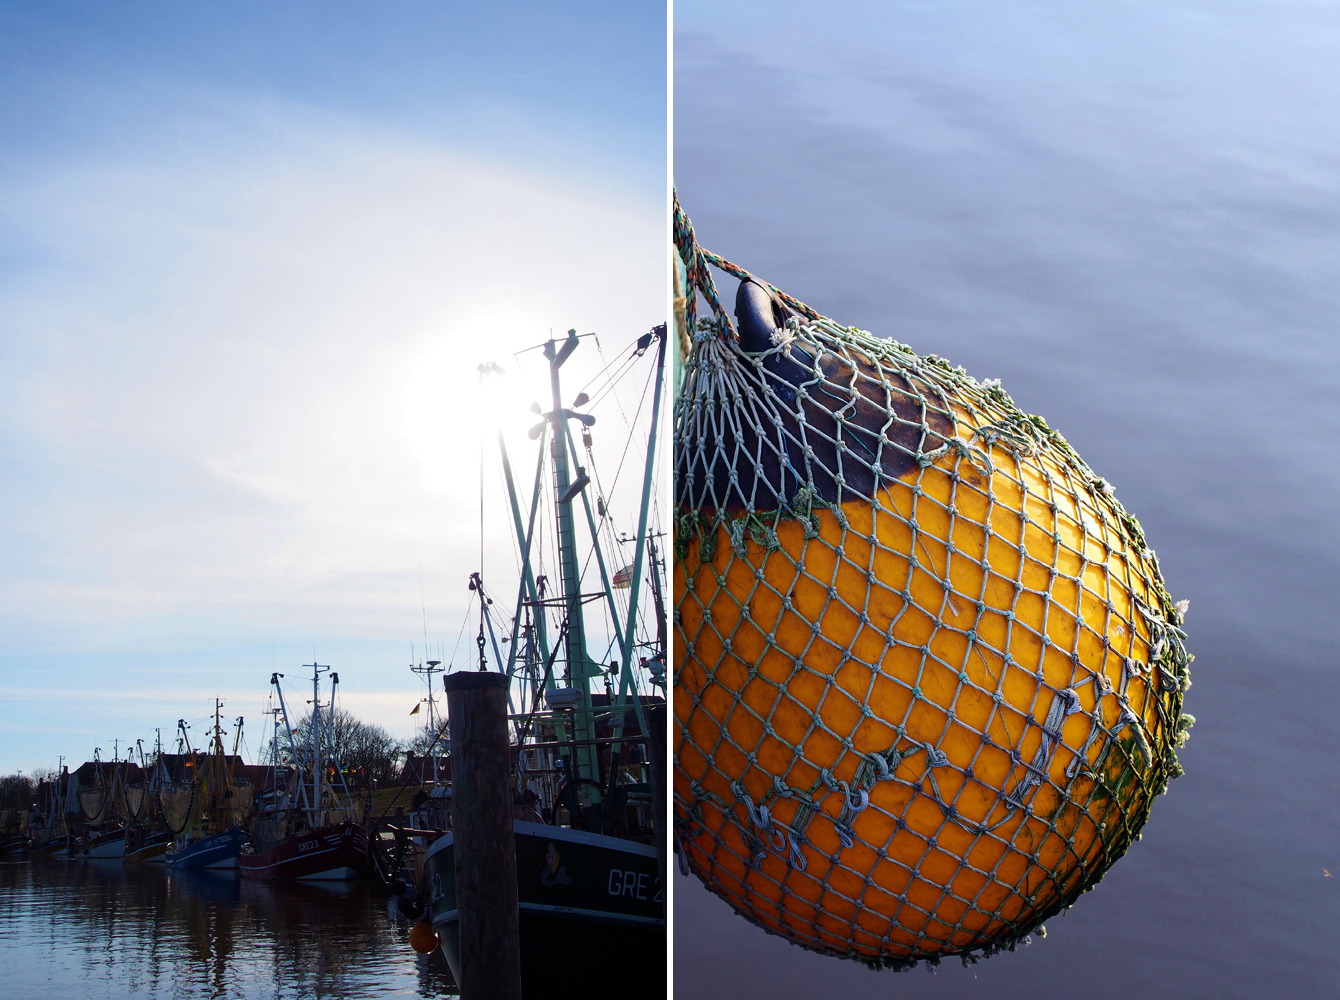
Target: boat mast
530, 587
288, 728
427, 671
577, 669
658, 598
639, 548
315, 736
331, 756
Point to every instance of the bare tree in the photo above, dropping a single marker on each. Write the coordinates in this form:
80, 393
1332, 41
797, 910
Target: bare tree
17, 791
364, 750
425, 739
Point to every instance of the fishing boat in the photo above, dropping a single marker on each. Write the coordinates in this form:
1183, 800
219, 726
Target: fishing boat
49, 832
100, 788
147, 835
103, 844
146, 844
13, 820
206, 813
590, 857
311, 830
13, 845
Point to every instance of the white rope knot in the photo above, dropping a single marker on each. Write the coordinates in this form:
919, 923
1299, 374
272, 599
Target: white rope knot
784, 337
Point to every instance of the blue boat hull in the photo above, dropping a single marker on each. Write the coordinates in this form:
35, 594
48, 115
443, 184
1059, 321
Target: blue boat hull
218, 851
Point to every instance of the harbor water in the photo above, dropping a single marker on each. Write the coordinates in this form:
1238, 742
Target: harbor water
111, 929
1129, 213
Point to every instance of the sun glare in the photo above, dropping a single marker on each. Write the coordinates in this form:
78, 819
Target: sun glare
467, 387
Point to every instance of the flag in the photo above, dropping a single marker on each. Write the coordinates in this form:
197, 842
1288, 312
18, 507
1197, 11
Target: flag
415, 710
623, 579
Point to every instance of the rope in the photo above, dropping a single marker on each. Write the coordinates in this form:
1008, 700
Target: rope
696, 259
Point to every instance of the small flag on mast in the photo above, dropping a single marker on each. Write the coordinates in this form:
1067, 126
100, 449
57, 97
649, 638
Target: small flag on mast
623, 579
415, 710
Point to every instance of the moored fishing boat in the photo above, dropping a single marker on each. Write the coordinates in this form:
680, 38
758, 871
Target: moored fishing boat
591, 906
99, 786
146, 844
207, 831
147, 836
57, 846
313, 829
46, 827
104, 844
329, 853
13, 819
572, 886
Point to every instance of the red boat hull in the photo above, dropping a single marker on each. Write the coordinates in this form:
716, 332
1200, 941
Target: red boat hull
331, 854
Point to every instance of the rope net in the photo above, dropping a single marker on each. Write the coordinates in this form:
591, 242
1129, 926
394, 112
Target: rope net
137, 801
94, 803
928, 678
180, 804
239, 806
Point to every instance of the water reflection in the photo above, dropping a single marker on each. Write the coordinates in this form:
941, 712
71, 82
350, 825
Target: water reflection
106, 927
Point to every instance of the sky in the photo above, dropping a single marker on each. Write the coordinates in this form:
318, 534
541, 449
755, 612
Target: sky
249, 262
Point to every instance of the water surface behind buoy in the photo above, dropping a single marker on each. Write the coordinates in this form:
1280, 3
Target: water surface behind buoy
1131, 215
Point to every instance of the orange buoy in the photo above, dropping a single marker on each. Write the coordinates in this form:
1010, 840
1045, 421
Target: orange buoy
423, 938
928, 677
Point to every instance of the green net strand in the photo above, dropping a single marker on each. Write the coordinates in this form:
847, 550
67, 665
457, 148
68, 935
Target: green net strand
754, 449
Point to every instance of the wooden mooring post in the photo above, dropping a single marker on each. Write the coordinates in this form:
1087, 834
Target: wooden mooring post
656, 718
484, 843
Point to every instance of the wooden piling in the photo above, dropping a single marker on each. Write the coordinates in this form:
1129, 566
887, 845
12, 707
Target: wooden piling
484, 843
657, 745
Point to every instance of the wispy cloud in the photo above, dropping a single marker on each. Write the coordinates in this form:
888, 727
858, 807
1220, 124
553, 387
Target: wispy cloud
212, 378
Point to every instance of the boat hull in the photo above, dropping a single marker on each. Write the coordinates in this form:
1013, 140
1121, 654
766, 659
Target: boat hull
14, 845
591, 912
152, 848
56, 847
219, 851
103, 845
330, 854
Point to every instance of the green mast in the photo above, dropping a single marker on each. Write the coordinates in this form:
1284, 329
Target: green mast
578, 669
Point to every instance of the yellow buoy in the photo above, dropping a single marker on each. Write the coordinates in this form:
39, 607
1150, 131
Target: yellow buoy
928, 678
422, 937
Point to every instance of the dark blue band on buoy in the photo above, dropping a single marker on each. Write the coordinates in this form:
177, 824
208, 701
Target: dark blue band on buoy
886, 421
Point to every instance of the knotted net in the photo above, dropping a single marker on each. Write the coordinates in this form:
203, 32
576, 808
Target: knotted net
94, 803
928, 677
180, 803
137, 798
239, 805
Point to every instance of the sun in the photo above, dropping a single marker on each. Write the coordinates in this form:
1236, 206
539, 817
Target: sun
465, 388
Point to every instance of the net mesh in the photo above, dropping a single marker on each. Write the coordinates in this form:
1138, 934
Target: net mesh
244, 792
928, 677
180, 801
269, 830
94, 803
137, 800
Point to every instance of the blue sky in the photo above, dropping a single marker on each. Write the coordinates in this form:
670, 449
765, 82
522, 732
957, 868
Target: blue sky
247, 257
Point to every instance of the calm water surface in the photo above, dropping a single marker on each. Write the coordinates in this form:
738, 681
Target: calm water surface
1130, 213
108, 929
